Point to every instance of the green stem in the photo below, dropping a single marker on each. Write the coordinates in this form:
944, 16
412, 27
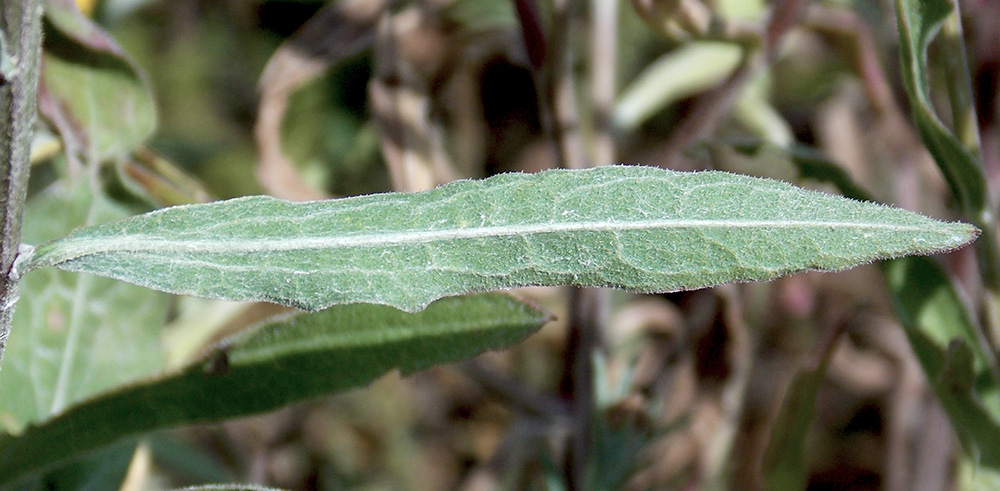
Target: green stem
956, 68
955, 65
21, 25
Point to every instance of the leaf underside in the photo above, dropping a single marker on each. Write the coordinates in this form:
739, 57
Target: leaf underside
638, 228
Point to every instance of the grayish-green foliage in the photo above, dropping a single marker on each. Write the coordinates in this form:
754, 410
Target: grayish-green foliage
638, 228
938, 328
944, 336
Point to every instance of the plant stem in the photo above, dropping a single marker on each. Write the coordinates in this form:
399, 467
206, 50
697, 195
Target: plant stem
559, 89
587, 306
956, 68
21, 24
588, 311
955, 65
603, 70
512, 392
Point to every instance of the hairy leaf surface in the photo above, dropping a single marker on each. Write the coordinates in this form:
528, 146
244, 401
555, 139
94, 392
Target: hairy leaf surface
638, 228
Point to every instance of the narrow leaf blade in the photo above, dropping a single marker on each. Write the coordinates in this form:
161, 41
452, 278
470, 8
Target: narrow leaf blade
638, 228
785, 463
942, 336
291, 358
683, 72
104, 469
919, 22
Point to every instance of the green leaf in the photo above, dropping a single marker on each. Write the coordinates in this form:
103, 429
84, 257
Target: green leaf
481, 14
228, 487
970, 476
785, 466
927, 302
74, 335
754, 111
92, 81
939, 312
942, 335
640, 228
291, 358
919, 21
186, 460
105, 469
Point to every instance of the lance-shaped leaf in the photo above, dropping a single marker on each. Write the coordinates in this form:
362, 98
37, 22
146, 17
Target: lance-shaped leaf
919, 22
639, 228
287, 359
784, 465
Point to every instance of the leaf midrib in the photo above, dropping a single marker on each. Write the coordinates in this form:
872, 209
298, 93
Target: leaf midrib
75, 248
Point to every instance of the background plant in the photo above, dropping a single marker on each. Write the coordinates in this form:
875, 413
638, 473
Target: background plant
389, 95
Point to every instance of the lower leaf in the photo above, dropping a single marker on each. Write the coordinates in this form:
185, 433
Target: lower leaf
287, 359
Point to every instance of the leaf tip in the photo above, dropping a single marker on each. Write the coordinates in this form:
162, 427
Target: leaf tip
964, 235
971, 233
974, 233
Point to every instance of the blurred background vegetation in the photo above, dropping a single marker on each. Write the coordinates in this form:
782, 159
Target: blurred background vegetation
305, 99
